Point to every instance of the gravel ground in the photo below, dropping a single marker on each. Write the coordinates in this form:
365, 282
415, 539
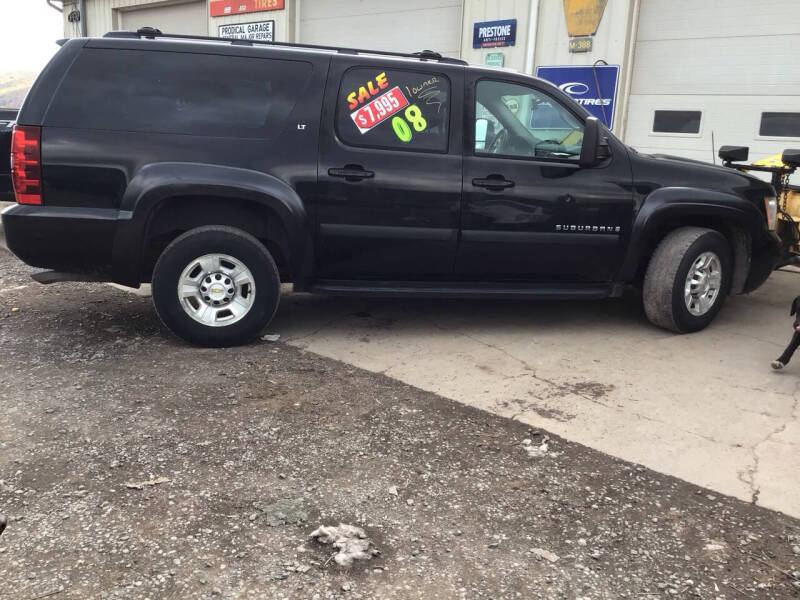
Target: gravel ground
133, 466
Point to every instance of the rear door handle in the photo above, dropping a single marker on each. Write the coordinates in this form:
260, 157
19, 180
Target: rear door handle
493, 182
351, 173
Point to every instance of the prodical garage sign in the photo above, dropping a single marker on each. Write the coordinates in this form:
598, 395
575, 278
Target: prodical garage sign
261, 31
594, 88
492, 34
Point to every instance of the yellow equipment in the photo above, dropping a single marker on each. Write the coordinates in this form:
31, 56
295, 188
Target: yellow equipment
781, 167
788, 202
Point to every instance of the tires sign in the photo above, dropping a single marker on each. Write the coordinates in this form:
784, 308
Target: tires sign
593, 87
223, 8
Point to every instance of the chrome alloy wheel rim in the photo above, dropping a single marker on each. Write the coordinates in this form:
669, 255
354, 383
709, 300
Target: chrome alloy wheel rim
216, 290
703, 284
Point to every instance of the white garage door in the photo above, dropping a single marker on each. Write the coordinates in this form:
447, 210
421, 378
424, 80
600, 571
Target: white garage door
188, 18
407, 26
715, 67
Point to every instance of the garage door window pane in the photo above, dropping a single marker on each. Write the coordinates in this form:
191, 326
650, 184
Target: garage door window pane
780, 124
173, 92
398, 110
676, 121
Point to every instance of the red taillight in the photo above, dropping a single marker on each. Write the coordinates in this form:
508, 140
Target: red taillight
26, 163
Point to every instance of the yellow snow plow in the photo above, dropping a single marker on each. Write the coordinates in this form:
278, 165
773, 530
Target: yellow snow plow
781, 166
788, 202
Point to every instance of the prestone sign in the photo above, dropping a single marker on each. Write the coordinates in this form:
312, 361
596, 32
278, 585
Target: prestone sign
492, 34
262, 31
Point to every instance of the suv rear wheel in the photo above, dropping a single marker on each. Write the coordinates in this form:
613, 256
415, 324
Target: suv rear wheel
216, 286
687, 279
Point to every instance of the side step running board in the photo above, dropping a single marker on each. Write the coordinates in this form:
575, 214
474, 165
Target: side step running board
466, 290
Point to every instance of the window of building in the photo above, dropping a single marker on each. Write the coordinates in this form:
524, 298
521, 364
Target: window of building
676, 121
179, 93
780, 124
389, 108
516, 120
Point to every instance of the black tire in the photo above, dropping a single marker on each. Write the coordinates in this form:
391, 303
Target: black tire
665, 280
223, 240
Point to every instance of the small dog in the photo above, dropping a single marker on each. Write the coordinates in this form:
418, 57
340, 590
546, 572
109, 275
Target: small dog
787, 354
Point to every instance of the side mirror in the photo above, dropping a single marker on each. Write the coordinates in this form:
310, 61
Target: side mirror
594, 147
791, 158
734, 153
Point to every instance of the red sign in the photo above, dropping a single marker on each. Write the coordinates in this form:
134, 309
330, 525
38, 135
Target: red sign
379, 110
223, 8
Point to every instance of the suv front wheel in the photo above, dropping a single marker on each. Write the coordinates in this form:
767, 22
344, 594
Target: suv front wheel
687, 279
216, 286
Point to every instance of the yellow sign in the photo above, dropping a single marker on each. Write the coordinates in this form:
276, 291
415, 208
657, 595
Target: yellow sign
583, 16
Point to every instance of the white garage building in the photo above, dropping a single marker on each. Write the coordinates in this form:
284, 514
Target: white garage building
691, 75
728, 72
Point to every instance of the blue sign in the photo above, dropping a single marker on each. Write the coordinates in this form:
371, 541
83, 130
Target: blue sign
581, 84
491, 34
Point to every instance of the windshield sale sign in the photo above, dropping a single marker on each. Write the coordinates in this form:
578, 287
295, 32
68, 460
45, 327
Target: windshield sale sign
492, 34
594, 88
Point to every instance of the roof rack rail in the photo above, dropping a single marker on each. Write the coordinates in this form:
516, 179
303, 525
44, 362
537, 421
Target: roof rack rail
152, 33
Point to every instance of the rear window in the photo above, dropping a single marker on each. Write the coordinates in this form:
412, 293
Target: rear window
182, 93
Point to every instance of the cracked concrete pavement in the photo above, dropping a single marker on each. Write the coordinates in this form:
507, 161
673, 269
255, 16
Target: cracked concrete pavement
705, 407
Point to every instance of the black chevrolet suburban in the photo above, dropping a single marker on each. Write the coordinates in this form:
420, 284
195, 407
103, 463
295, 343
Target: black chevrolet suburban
215, 169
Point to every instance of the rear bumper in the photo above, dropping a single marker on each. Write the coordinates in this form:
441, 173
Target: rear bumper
66, 239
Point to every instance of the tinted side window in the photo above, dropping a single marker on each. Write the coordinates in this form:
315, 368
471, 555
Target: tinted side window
393, 109
172, 92
676, 121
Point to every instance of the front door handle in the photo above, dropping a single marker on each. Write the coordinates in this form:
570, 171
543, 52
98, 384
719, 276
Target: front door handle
493, 182
351, 173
